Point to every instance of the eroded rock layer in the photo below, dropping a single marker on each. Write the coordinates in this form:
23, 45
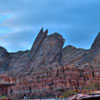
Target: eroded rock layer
48, 67
55, 81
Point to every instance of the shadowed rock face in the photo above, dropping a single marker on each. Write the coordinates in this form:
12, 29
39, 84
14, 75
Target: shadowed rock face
47, 51
49, 63
94, 52
96, 45
40, 38
4, 59
18, 61
71, 55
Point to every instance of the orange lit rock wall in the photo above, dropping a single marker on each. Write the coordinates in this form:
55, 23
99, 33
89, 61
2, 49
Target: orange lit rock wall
5, 83
54, 81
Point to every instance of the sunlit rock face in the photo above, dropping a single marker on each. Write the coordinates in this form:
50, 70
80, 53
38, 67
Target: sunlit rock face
56, 81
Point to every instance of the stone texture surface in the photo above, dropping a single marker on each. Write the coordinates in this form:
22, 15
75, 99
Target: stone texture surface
72, 54
49, 63
18, 62
4, 59
94, 52
96, 44
55, 81
48, 52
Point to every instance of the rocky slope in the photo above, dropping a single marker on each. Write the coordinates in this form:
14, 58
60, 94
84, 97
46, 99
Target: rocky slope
4, 59
47, 52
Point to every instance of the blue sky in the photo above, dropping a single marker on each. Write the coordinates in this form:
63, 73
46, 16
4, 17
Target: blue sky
21, 20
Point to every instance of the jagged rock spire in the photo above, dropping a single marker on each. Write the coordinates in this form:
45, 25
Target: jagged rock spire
41, 36
96, 43
95, 49
45, 50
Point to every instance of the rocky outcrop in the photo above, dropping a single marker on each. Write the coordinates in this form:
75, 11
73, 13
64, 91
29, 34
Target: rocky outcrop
81, 57
46, 52
56, 81
94, 52
72, 54
18, 62
40, 38
50, 68
96, 45
4, 59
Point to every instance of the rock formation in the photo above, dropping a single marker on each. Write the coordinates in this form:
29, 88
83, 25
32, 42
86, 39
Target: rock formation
18, 62
67, 67
72, 54
47, 51
4, 59
96, 45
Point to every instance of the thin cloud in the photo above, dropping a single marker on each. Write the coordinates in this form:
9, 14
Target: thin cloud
78, 21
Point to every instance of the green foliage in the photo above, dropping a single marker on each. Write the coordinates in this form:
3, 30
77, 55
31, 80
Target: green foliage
68, 93
3, 97
92, 86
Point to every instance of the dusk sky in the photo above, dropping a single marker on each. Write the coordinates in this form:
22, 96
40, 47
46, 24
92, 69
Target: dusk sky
78, 21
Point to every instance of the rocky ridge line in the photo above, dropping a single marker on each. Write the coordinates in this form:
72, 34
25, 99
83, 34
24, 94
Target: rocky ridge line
47, 52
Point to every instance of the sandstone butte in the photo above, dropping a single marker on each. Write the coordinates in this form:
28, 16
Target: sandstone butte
48, 68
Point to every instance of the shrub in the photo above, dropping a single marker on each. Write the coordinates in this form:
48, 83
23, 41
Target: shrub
3, 97
68, 93
92, 86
